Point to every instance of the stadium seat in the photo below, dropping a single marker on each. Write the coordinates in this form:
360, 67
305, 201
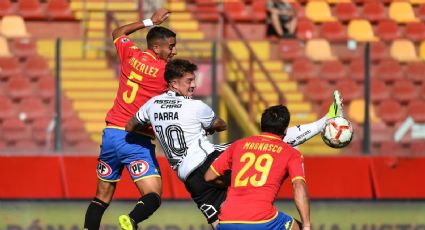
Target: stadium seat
24, 47
317, 90
361, 30
356, 70
389, 70
415, 31
59, 10
421, 12
258, 9
9, 66
19, 87
32, 9
403, 50
16, 130
25, 145
7, 8
319, 50
417, 2
422, 91
356, 112
303, 70
299, 9
374, 11
333, 31
404, 90
378, 51
237, 10
46, 87
416, 109
36, 66
42, 130
13, 26
391, 112
422, 50
388, 30
318, 11
350, 89
7, 109
417, 148
290, 49
4, 47
347, 53
32, 107
378, 90
333, 70
415, 71
206, 11
346, 11
391, 148
306, 29
73, 131
402, 12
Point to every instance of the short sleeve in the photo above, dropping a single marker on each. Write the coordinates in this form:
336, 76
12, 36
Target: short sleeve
142, 114
224, 161
296, 166
125, 47
205, 115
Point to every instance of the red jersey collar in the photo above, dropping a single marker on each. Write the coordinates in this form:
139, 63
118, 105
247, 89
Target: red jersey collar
270, 135
151, 54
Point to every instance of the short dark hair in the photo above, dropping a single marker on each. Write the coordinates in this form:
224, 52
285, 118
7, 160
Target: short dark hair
176, 68
275, 119
157, 33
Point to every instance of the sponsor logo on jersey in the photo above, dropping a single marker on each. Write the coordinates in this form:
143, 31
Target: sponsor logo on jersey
103, 169
138, 168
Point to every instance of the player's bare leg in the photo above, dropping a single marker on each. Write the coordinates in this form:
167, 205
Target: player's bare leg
150, 190
105, 191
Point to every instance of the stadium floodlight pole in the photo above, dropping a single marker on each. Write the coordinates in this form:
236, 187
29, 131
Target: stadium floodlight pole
58, 122
366, 124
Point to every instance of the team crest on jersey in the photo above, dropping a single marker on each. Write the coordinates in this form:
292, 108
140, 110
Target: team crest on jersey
103, 169
124, 40
138, 168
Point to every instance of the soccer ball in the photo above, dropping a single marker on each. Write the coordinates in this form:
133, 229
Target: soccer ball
337, 132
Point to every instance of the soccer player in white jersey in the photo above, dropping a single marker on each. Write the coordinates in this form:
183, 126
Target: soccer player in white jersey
181, 125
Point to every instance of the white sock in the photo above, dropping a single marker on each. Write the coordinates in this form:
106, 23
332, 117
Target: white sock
299, 134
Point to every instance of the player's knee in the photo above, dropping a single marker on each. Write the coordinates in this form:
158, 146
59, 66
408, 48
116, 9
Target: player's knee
153, 200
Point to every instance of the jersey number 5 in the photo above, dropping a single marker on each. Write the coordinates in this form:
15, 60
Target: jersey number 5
134, 87
261, 164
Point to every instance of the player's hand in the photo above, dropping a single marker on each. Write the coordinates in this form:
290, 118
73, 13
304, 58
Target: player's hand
160, 16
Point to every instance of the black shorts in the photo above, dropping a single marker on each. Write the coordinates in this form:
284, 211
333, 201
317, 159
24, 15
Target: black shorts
207, 197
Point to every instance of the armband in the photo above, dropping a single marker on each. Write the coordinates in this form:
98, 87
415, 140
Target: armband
148, 22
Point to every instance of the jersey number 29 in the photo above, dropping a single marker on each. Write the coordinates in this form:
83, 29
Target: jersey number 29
261, 164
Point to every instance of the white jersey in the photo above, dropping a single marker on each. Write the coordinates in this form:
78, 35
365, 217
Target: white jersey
179, 124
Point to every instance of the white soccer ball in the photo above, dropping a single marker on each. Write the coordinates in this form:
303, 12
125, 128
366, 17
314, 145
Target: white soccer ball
338, 132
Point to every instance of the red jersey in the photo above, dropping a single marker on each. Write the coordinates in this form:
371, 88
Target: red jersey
259, 165
141, 77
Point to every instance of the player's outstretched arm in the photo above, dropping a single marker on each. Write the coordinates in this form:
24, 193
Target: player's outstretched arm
302, 202
218, 126
134, 124
157, 18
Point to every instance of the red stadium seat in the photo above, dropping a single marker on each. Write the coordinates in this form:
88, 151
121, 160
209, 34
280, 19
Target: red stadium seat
32, 9
16, 130
356, 70
207, 11
389, 70
416, 109
388, 30
33, 108
59, 10
19, 87
36, 66
417, 148
421, 12
346, 11
259, 10
306, 29
346, 54
24, 47
374, 11
7, 109
46, 87
237, 10
415, 31
9, 66
404, 90
333, 31
390, 111
42, 130
391, 148
25, 145
290, 49
332, 70
378, 51
303, 70
74, 131
415, 71
378, 90
350, 89
7, 8
317, 90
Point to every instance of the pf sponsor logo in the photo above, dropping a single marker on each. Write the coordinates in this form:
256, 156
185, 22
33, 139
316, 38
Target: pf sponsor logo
138, 168
103, 169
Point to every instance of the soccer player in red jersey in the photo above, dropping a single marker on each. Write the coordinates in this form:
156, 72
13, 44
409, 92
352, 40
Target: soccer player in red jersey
259, 165
141, 77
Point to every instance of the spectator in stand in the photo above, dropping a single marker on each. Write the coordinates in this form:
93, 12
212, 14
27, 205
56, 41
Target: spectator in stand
281, 19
